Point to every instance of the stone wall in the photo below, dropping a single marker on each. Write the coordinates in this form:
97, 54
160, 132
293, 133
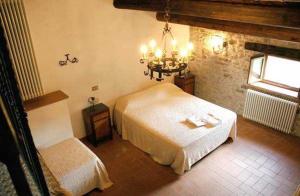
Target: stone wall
219, 77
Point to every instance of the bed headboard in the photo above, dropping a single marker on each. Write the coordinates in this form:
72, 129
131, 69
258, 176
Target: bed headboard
50, 123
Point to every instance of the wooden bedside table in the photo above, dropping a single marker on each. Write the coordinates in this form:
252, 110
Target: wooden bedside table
97, 123
186, 83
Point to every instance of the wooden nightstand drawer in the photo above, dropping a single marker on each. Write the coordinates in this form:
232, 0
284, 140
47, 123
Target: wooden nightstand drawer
97, 123
186, 83
189, 81
102, 128
189, 88
100, 116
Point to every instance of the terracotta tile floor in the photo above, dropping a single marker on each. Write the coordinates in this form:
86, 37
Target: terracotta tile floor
261, 162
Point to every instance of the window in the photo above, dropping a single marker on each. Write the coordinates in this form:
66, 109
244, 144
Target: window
256, 68
283, 71
276, 74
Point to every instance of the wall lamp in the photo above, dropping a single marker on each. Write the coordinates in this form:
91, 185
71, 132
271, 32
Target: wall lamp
218, 43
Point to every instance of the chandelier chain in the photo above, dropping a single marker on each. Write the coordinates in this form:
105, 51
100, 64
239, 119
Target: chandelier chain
167, 11
167, 28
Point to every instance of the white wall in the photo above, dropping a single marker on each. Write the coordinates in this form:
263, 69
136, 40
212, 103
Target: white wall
50, 124
105, 40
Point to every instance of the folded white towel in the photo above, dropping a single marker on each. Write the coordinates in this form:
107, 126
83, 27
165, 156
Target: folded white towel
203, 120
211, 120
196, 121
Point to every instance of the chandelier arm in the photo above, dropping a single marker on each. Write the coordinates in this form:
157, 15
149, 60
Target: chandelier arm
163, 37
171, 34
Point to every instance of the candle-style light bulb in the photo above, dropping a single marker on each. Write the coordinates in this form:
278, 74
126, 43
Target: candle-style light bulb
190, 46
152, 44
183, 53
144, 49
158, 53
174, 44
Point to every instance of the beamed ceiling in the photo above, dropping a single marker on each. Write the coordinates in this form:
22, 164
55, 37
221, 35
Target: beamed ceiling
279, 19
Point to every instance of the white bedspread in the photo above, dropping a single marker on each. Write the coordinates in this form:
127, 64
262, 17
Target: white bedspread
154, 120
76, 168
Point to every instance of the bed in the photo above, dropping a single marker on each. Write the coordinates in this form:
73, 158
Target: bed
74, 166
154, 120
77, 168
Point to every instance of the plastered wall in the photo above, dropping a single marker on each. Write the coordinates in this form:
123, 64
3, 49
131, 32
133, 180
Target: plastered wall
104, 39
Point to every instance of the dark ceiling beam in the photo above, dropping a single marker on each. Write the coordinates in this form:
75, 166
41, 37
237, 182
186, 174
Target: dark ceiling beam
289, 53
236, 27
157, 4
145, 5
268, 15
290, 3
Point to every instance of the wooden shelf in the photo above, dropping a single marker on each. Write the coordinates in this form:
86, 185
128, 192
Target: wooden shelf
44, 100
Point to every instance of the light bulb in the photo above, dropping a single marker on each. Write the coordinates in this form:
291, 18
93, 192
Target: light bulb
217, 43
158, 53
174, 42
174, 45
183, 53
152, 44
190, 46
144, 49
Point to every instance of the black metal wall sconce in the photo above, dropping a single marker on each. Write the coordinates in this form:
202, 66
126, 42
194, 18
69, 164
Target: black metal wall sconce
65, 62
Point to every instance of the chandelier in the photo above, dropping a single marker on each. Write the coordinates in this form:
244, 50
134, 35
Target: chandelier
166, 59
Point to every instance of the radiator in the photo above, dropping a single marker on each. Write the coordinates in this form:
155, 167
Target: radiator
13, 19
270, 111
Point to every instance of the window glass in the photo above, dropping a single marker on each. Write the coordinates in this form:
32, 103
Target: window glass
283, 71
256, 65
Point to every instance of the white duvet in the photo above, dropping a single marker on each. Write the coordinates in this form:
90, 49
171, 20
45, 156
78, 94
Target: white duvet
154, 120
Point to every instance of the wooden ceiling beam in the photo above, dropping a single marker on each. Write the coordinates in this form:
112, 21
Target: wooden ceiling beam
289, 53
290, 3
159, 4
231, 10
281, 33
145, 5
